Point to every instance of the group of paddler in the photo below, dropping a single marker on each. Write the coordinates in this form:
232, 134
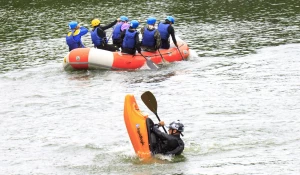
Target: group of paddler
125, 35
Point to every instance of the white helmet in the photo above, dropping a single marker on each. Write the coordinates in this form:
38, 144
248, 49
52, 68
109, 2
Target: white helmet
176, 125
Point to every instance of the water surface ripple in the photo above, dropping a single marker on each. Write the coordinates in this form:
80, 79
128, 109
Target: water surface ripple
238, 95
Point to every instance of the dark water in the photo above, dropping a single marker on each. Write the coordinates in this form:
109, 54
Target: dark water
33, 32
238, 95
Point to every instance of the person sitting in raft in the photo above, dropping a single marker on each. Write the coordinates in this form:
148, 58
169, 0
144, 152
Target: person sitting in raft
130, 37
98, 35
166, 29
120, 26
168, 144
151, 37
73, 38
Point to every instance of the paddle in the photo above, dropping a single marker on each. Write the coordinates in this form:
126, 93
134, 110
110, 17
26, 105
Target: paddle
110, 34
150, 101
150, 63
180, 53
165, 61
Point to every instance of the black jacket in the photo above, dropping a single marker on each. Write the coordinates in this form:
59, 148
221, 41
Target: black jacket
168, 144
101, 30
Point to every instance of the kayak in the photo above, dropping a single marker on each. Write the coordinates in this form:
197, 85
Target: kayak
138, 127
93, 58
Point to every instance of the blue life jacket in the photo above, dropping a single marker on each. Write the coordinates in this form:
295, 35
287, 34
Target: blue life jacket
163, 30
117, 31
97, 41
129, 39
71, 42
148, 38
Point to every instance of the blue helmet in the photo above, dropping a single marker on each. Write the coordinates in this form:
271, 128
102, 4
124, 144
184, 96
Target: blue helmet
134, 24
151, 20
73, 24
123, 18
171, 19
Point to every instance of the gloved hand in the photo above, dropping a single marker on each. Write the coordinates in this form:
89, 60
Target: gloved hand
161, 123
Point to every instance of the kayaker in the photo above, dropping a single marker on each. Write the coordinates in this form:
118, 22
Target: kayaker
73, 38
169, 144
120, 26
166, 29
130, 37
98, 35
151, 37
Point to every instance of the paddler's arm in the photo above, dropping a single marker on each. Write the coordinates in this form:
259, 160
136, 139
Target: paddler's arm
157, 39
137, 42
109, 25
158, 133
172, 32
83, 30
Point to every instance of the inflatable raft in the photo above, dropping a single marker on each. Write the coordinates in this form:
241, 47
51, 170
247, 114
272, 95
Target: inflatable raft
138, 127
92, 58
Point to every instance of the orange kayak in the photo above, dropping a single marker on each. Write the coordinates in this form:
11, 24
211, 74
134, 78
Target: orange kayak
137, 127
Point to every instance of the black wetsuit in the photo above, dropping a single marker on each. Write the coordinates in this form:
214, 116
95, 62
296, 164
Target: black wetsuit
163, 143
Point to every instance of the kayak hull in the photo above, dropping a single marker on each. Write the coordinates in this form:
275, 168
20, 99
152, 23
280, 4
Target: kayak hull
136, 125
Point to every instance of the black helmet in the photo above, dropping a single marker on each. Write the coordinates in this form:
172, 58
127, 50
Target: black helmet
177, 125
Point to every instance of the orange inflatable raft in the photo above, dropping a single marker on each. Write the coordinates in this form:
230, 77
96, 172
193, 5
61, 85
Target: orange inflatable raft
92, 58
138, 127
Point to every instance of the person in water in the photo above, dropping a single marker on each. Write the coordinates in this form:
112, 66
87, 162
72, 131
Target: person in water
98, 35
130, 38
166, 29
168, 144
151, 37
73, 38
120, 27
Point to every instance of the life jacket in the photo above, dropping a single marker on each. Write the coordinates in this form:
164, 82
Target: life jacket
163, 30
117, 31
97, 41
148, 38
71, 42
129, 39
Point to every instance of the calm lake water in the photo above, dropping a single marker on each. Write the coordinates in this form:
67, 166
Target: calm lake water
238, 95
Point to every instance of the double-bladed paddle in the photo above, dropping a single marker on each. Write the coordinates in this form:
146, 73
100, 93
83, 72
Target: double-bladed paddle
150, 101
